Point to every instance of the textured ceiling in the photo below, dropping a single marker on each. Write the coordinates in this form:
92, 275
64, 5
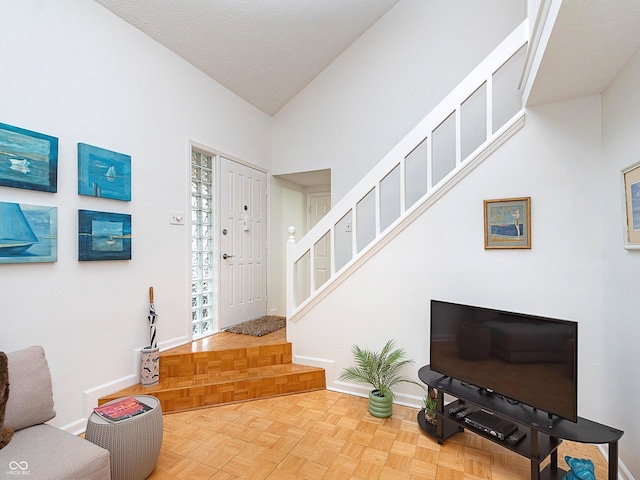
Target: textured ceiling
265, 51
590, 42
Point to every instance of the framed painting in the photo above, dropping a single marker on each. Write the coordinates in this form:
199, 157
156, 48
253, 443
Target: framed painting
28, 233
631, 189
507, 223
103, 173
28, 159
103, 236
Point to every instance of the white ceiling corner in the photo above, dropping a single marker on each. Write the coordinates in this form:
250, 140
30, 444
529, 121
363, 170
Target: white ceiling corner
590, 42
264, 51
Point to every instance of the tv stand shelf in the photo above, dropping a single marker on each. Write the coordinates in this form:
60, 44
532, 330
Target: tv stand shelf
543, 438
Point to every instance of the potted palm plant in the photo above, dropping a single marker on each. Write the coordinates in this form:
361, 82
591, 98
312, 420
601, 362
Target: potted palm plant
381, 370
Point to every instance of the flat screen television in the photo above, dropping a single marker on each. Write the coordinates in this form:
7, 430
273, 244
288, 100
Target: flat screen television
525, 358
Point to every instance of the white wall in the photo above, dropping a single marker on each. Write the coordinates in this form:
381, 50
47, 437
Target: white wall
366, 101
73, 70
620, 324
554, 160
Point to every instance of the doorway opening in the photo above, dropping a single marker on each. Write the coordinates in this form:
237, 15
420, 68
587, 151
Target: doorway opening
228, 242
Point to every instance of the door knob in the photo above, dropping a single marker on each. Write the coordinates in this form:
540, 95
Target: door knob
225, 256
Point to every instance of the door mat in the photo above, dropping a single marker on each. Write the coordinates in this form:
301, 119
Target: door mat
259, 326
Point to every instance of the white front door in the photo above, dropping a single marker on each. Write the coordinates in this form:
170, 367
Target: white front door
243, 243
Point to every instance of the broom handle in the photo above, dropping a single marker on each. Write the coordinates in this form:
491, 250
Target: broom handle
151, 294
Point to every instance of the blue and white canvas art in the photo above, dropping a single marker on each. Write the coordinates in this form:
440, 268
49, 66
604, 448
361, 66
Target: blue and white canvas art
103, 173
28, 159
28, 233
103, 236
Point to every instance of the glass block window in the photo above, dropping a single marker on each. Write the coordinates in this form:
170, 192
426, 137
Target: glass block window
202, 294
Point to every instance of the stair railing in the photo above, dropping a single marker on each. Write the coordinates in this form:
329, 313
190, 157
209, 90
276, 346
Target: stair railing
363, 214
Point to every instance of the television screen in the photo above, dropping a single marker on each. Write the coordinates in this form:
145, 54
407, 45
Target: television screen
525, 358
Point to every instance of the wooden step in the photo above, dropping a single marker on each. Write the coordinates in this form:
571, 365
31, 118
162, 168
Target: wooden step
187, 364
227, 368
186, 393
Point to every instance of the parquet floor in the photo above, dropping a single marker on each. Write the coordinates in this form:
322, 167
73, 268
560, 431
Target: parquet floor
226, 340
328, 435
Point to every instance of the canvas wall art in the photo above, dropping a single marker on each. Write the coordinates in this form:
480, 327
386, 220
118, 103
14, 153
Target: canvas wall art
103, 236
631, 188
507, 223
28, 233
28, 159
103, 173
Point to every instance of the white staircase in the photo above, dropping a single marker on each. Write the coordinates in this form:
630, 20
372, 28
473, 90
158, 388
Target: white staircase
478, 116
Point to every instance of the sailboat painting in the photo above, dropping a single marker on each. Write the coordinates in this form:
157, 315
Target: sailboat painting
103, 173
28, 159
507, 223
28, 233
103, 236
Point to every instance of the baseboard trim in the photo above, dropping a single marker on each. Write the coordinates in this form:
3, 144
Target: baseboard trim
173, 343
91, 396
404, 399
313, 361
623, 471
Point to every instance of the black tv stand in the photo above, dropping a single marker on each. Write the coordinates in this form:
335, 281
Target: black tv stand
544, 432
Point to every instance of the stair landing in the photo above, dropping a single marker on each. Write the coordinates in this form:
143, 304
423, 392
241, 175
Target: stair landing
227, 368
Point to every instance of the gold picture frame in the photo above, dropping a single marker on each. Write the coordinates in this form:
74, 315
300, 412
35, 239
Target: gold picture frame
507, 223
631, 190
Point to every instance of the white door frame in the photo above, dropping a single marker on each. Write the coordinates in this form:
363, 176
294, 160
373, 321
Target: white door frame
216, 154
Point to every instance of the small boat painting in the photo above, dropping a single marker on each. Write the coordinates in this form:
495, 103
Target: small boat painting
28, 159
104, 236
103, 173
